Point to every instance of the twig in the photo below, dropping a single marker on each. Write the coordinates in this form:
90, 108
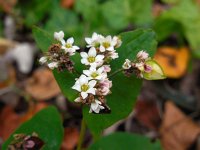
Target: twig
116, 72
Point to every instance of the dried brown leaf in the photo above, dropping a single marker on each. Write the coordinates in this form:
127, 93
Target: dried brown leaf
178, 132
42, 85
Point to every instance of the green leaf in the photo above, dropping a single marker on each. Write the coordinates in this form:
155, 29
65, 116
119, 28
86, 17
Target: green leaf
33, 11
113, 17
65, 20
141, 12
47, 124
119, 141
125, 89
42, 38
186, 15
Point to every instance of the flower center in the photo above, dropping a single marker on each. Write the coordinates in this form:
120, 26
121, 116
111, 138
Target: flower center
68, 45
91, 59
94, 75
97, 44
84, 87
106, 44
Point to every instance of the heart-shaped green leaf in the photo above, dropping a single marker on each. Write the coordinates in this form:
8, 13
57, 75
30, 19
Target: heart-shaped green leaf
124, 90
47, 124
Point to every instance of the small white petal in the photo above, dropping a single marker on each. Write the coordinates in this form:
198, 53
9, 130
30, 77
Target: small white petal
99, 57
43, 60
83, 79
102, 49
91, 90
59, 35
84, 54
70, 40
84, 61
75, 47
77, 87
53, 65
92, 52
88, 40
87, 72
110, 48
92, 83
84, 95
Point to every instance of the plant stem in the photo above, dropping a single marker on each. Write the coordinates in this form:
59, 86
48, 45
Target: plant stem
82, 134
114, 73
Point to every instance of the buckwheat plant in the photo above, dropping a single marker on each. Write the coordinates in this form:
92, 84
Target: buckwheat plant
93, 84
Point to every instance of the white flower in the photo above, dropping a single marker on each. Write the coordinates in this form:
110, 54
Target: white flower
127, 64
108, 44
53, 65
92, 73
68, 46
59, 36
118, 41
94, 41
85, 86
113, 54
96, 107
142, 55
91, 58
43, 60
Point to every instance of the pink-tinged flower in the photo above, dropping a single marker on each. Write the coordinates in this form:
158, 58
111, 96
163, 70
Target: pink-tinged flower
106, 68
113, 54
104, 87
106, 83
147, 68
96, 107
68, 46
85, 86
53, 65
91, 58
142, 55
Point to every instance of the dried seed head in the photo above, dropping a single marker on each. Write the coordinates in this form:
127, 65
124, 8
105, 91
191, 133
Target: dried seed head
54, 49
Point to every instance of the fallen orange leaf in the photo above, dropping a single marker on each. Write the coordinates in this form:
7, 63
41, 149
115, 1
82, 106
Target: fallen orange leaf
173, 60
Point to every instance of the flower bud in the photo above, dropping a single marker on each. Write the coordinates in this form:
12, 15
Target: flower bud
153, 71
127, 64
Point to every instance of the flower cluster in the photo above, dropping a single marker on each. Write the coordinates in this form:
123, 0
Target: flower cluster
138, 66
94, 84
58, 54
